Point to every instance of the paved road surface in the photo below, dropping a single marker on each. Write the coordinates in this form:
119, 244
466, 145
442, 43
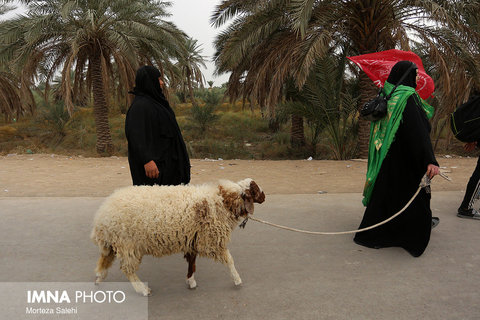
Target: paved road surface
285, 275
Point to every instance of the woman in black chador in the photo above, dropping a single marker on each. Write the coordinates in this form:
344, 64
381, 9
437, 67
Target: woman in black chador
156, 150
400, 154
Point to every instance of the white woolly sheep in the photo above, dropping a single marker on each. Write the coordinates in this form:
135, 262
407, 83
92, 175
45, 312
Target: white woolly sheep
163, 220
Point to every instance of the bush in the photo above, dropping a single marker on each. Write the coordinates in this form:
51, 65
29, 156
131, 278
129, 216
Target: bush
212, 98
54, 117
204, 116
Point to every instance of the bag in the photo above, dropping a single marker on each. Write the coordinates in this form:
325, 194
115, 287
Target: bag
465, 121
376, 108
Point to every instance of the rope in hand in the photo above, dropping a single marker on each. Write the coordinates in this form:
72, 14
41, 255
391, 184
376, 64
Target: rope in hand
425, 182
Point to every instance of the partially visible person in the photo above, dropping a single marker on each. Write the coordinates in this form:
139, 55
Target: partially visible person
400, 153
466, 209
156, 149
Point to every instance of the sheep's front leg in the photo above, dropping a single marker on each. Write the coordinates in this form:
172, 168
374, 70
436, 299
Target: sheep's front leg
190, 257
233, 271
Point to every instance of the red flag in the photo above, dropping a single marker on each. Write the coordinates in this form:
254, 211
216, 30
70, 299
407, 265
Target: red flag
377, 66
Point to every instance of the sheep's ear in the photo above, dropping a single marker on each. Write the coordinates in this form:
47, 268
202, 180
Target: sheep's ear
257, 194
248, 201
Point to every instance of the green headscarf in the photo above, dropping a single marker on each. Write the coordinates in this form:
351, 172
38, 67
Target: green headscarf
382, 132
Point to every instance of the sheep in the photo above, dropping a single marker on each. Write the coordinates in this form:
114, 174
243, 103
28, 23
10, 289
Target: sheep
163, 220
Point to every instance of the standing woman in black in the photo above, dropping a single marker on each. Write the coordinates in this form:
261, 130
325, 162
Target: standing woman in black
400, 154
466, 209
156, 150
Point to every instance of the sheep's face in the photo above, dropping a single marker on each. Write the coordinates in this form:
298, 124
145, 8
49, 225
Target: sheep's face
251, 193
241, 204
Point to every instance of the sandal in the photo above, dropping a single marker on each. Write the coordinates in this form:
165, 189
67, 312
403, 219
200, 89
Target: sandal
435, 221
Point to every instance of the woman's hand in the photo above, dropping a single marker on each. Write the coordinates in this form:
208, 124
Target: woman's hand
432, 170
151, 170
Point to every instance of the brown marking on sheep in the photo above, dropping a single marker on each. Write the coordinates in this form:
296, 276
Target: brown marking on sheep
190, 244
105, 261
107, 255
248, 203
232, 202
201, 209
190, 257
257, 193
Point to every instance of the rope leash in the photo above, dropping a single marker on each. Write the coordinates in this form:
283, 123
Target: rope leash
425, 182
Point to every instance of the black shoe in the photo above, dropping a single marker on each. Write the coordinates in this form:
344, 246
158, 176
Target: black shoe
435, 221
468, 213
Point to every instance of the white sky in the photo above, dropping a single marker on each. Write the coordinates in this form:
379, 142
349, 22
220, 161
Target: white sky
193, 17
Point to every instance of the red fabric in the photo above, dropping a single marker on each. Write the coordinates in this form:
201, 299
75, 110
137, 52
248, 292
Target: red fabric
378, 65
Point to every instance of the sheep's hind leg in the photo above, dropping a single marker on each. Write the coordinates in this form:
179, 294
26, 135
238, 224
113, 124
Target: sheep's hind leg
104, 262
129, 265
138, 285
233, 271
191, 283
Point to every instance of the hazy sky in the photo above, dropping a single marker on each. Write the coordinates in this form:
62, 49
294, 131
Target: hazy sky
193, 17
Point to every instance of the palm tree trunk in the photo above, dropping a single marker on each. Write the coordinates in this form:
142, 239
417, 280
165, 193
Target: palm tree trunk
192, 95
367, 92
104, 144
297, 137
190, 88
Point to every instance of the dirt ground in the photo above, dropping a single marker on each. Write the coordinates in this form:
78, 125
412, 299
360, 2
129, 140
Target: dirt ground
43, 175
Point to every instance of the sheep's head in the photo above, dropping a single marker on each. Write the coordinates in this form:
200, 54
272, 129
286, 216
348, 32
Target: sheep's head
241, 203
251, 193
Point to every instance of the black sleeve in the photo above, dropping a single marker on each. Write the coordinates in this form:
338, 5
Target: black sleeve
416, 132
136, 126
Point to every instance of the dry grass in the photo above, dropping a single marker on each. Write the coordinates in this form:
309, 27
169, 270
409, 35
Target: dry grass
238, 134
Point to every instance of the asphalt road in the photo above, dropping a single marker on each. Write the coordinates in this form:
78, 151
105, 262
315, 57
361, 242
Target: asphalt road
285, 275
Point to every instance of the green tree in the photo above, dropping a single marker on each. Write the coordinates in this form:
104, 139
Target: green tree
16, 99
269, 42
455, 81
96, 39
189, 65
327, 107
332, 105
204, 116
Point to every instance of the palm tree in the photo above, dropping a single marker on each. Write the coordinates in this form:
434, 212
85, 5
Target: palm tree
271, 41
16, 99
331, 106
96, 39
326, 104
458, 77
189, 65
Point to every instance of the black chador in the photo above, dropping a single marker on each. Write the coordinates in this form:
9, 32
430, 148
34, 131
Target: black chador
153, 134
398, 179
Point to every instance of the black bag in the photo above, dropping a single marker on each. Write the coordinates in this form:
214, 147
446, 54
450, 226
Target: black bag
376, 108
465, 121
